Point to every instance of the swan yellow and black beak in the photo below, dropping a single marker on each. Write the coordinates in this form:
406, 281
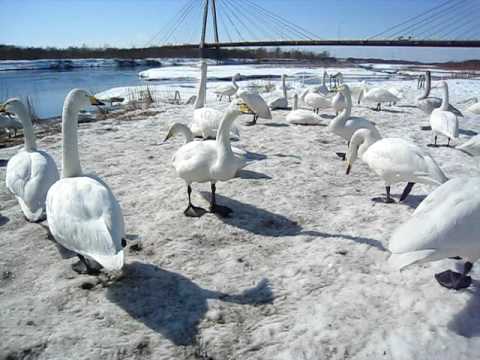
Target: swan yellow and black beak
244, 108
349, 167
169, 135
95, 102
3, 109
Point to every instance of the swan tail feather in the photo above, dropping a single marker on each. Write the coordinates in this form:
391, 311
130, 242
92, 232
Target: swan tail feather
401, 261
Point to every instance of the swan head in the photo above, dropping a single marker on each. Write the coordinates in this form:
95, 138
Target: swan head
82, 98
359, 143
12, 107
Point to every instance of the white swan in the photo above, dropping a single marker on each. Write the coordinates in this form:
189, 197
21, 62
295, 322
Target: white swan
209, 161
428, 103
338, 102
227, 89
315, 101
344, 125
301, 116
470, 147
378, 95
31, 172
10, 124
444, 225
182, 129
320, 89
206, 120
83, 214
394, 160
280, 102
442, 121
256, 105
474, 108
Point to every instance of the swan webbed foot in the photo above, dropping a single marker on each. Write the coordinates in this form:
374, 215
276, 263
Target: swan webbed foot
341, 155
389, 200
194, 211
84, 266
406, 191
222, 211
453, 280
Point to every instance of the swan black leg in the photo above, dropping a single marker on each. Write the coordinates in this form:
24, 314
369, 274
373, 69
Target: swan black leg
192, 211
454, 280
406, 191
222, 211
254, 121
85, 266
388, 199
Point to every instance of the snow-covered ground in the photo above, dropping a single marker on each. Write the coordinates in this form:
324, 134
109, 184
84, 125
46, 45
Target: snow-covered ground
298, 272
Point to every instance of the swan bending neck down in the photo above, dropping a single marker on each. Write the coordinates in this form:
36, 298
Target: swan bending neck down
209, 161
394, 160
442, 121
31, 172
444, 225
83, 214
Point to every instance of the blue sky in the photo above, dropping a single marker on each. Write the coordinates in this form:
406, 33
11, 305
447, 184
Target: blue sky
128, 23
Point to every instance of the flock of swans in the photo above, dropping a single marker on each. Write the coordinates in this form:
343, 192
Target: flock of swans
84, 216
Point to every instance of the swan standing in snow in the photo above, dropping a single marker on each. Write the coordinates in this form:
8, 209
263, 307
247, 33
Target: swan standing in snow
442, 121
428, 103
320, 89
227, 89
444, 225
206, 120
344, 125
394, 160
378, 95
315, 101
301, 116
280, 102
182, 129
10, 124
31, 172
83, 214
209, 161
470, 147
256, 105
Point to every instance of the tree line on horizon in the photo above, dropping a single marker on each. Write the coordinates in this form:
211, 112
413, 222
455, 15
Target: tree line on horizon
12, 52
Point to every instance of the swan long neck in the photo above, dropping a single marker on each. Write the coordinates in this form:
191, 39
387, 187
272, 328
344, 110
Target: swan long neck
234, 82
444, 105
71, 158
29, 135
284, 87
183, 129
295, 102
324, 80
202, 87
224, 148
360, 142
340, 119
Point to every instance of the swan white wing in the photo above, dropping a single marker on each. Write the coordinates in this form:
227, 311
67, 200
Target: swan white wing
29, 176
206, 121
278, 103
256, 103
192, 161
444, 122
353, 124
380, 95
445, 224
398, 160
427, 105
474, 109
304, 117
226, 90
471, 147
317, 101
84, 216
